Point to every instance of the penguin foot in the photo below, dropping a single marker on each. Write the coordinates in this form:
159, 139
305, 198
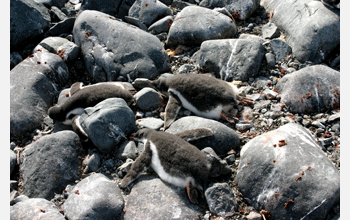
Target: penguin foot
192, 193
229, 117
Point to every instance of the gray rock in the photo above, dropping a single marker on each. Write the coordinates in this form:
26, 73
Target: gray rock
68, 51
223, 140
92, 162
149, 11
148, 99
270, 59
262, 104
56, 12
110, 7
186, 68
312, 89
218, 167
95, 197
114, 50
162, 25
51, 44
280, 48
13, 161
136, 22
180, 4
49, 164
285, 164
159, 201
28, 20
242, 9
35, 208
195, 24
261, 82
108, 123
127, 150
252, 37
152, 123
334, 117
32, 90
270, 30
230, 59
50, 3
243, 126
221, 199
18, 199
65, 26
311, 29
270, 94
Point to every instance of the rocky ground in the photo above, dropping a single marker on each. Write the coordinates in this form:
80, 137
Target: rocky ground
289, 132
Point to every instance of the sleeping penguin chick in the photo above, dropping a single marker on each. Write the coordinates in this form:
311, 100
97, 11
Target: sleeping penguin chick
204, 95
173, 159
87, 96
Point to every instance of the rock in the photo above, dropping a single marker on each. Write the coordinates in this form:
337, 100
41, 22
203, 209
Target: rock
149, 11
270, 59
195, 24
108, 123
280, 48
95, 197
186, 68
136, 22
159, 201
62, 27
243, 126
127, 150
221, 199
92, 162
261, 82
311, 29
35, 208
49, 164
68, 51
231, 59
51, 44
269, 94
50, 3
285, 172
107, 6
162, 25
334, 117
28, 20
148, 99
18, 199
15, 58
270, 30
312, 89
57, 14
32, 89
223, 140
114, 50
240, 9
218, 167
254, 216
252, 37
152, 123
13, 161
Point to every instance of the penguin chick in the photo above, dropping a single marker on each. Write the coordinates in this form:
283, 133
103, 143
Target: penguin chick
172, 158
87, 96
204, 95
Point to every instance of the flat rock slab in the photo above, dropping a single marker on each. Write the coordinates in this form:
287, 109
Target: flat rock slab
285, 172
49, 164
311, 29
150, 198
116, 51
230, 59
36, 208
195, 24
33, 85
223, 140
95, 197
108, 123
312, 89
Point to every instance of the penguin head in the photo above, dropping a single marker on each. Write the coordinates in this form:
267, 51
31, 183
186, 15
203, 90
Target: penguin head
161, 84
141, 134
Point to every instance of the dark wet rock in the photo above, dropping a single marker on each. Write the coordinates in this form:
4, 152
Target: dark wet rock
223, 140
195, 24
312, 89
231, 59
148, 99
116, 51
163, 25
28, 20
62, 27
31, 98
34, 209
50, 3
285, 172
95, 197
49, 164
311, 29
108, 123
106, 6
221, 199
280, 48
149, 11
15, 58
57, 14
159, 201
241, 9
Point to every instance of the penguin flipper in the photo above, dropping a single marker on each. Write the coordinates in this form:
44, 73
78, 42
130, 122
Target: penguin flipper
195, 134
140, 164
171, 110
75, 88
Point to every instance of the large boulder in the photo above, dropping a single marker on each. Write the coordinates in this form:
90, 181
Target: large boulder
286, 173
95, 197
49, 164
195, 24
151, 198
312, 89
230, 59
116, 51
33, 86
311, 28
28, 20
106, 6
223, 140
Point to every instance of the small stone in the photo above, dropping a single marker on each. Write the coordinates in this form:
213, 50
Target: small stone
270, 59
263, 111
243, 126
254, 216
148, 99
152, 123
221, 199
270, 30
230, 159
127, 150
280, 48
318, 124
334, 117
185, 68
270, 94
92, 162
